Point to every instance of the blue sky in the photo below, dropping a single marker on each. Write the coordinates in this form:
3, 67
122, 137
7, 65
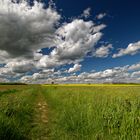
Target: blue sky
70, 41
122, 20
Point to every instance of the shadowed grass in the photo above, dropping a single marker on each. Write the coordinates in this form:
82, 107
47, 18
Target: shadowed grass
16, 113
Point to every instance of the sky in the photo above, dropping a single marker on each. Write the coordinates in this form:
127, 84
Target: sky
69, 41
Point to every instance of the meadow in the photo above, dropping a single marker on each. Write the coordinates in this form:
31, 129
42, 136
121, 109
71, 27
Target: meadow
70, 112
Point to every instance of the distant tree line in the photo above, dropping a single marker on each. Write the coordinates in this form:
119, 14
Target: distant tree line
13, 84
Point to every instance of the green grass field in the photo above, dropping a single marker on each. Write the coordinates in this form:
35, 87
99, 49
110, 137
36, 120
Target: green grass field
70, 112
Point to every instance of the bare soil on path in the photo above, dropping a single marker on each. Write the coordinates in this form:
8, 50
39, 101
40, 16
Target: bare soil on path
40, 118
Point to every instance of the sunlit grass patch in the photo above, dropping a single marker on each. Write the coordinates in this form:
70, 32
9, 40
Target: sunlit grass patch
98, 112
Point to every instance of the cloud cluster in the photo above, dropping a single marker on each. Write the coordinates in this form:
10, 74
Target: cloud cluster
20, 67
86, 13
114, 75
101, 16
103, 51
25, 29
134, 67
132, 49
74, 41
75, 68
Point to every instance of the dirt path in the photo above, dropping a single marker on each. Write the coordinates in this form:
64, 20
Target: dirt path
41, 110
41, 118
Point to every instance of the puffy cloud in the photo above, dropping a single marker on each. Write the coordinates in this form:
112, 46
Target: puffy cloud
135, 74
103, 51
43, 74
114, 75
48, 61
26, 79
21, 66
4, 80
134, 67
4, 56
15, 69
132, 49
7, 73
24, 29
100, 16
39, 77
74, 41
86, 13
75, 68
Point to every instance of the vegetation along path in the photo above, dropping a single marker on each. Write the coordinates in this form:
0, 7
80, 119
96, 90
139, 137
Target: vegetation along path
70, 112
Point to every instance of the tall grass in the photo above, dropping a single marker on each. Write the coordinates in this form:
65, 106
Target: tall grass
74, 113
16, 110
93, 113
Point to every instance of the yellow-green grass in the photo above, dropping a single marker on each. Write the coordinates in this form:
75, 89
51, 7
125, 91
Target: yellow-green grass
16, 112
74, 112
91, 85
93, 113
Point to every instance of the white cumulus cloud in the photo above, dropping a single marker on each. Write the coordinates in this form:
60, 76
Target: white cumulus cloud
86, 13
100, 16
75, 68
103, 51
74, 41
25, 30
132, 49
